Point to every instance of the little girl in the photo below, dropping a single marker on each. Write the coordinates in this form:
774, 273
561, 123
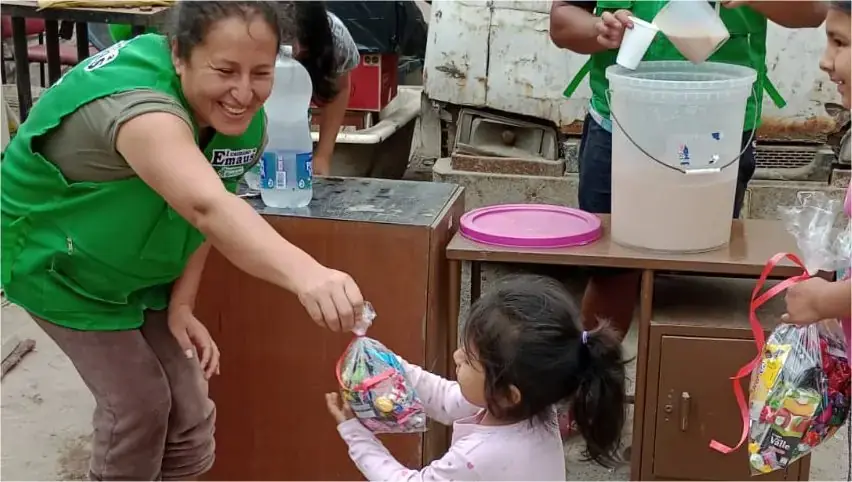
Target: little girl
524, 352
817, 299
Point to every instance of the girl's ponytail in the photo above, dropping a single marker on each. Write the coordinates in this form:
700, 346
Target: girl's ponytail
599, 403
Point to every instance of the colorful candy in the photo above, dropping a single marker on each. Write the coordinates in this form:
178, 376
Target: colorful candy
374, 384
800, 394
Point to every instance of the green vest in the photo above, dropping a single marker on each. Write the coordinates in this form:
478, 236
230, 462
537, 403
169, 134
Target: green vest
124, 31
746, 46
95, 255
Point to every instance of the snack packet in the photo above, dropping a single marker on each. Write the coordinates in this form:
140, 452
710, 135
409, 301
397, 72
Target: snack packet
800, 390
374, 384
800, 394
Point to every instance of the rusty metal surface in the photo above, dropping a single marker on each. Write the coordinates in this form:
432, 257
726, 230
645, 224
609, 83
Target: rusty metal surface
815, 129
573, 129
507, 165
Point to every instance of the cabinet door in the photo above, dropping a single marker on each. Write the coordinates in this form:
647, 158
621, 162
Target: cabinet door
696, 404
272, 423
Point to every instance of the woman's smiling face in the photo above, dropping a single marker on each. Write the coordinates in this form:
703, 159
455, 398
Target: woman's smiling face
837, 59
228, 76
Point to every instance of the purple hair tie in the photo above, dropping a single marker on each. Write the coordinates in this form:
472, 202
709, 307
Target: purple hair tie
585, 337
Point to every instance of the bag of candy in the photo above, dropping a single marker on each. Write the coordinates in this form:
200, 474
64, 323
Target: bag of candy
800, 389
374, 384
799, 394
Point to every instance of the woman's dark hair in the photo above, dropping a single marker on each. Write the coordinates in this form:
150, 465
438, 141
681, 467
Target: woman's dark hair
316, 46
192, 20
526, 333
844, 6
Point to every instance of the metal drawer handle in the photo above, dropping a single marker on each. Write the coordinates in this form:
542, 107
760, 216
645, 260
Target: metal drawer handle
684, 411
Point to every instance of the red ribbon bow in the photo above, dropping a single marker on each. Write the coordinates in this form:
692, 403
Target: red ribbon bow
758, 300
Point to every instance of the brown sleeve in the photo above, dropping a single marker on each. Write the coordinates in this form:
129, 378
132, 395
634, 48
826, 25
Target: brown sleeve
83, 145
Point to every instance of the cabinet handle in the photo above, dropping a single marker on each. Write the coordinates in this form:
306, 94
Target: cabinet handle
684, 411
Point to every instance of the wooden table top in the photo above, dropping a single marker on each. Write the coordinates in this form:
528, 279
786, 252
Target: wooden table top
143, 16
753, 243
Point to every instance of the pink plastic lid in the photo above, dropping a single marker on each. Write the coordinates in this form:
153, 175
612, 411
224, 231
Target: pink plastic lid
530, 226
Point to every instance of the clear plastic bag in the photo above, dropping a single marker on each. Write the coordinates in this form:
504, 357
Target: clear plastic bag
374, 384
821, 236
799, 394
800, 391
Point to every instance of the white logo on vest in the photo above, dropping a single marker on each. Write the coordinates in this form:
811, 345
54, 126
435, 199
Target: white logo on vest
232, 163
105, 56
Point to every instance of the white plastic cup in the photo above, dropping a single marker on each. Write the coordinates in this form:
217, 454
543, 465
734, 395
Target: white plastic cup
635, 43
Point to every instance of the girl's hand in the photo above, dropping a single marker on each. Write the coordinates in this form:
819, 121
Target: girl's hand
803, 300
192, 336
338, 408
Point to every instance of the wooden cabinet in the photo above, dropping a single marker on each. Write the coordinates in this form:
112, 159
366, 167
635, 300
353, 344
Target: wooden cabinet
699, 338
277, 365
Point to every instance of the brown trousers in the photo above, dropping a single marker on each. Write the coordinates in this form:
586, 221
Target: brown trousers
153, 419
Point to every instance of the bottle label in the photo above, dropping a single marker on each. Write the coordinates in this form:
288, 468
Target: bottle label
273, 174
304, 170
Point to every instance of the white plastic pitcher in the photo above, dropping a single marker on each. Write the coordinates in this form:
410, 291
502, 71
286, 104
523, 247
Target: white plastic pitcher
693, 27
676, 143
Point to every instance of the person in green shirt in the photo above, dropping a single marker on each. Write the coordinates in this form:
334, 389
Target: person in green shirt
596, 27
114, 189
324, 46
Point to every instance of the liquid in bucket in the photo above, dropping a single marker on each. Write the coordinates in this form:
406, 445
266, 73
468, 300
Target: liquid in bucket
286, 170
676, 140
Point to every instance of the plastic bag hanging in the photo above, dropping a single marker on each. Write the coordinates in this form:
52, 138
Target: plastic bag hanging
373, 382
799, 394
800, 391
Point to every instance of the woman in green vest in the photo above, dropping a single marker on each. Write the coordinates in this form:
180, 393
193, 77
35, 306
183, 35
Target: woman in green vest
114, 188
328, 52
595, 27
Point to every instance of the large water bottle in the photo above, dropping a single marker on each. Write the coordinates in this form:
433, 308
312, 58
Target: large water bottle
286, 172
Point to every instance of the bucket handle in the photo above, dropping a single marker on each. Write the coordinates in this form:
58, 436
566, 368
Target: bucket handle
706, 170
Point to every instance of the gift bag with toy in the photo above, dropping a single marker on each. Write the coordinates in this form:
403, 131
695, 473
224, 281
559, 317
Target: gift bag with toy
374, 384
800, 387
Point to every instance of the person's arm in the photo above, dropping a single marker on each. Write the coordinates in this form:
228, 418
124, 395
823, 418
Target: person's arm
574, 27
377, 463
185, 288
442, 399
161, 149
787, 13
332, 118
817, 299
835, 301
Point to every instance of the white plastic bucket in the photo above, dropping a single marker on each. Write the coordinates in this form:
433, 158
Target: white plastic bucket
676, 143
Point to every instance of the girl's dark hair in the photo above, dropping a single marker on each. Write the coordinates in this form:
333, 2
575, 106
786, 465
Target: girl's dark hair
316, 45
842, 5
526, 333
191, 20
